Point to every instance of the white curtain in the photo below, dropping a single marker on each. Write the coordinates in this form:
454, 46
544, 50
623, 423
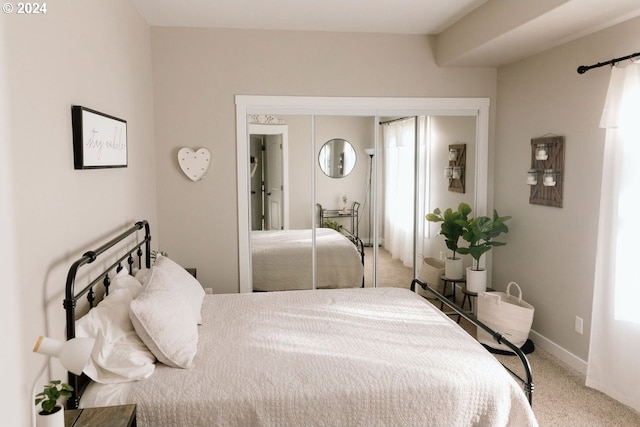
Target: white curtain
399, 142
615, 326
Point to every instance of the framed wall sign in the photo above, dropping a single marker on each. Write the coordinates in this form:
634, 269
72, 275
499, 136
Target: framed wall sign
99, 140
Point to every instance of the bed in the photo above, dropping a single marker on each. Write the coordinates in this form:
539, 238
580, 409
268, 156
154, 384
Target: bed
356, 357
281, 259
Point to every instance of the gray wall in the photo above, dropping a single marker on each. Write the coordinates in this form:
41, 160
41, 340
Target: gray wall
95, 54
197, 73
14, 405
551, 251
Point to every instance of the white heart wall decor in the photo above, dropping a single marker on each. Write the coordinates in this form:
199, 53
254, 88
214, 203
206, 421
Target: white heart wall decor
194, 164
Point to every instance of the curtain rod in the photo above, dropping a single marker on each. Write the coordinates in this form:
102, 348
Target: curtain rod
397, 120
584, 68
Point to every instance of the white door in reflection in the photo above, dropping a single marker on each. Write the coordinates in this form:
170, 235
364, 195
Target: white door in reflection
273, 183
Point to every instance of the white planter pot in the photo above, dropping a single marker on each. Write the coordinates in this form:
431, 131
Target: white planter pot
476, 280
51, 420
453, 268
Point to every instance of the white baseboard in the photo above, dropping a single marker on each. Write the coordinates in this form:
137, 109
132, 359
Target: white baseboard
554, 349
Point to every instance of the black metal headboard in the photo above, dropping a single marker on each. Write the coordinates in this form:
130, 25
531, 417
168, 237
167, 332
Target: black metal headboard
72, 296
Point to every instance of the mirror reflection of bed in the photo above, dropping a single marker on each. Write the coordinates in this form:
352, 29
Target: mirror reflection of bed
281, 260
276, 263
282, 241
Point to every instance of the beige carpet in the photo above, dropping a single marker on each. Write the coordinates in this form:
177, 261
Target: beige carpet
390, 272
560, 397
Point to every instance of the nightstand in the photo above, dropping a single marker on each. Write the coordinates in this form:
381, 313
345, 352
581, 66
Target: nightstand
107, 416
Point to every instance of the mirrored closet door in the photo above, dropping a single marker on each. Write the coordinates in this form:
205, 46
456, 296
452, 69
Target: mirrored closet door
370, 167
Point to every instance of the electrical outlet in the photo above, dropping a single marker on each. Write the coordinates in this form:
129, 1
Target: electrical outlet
579, 324
208, 290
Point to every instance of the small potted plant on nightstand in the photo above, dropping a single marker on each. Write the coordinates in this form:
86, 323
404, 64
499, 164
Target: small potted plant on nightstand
52, 413
453, 226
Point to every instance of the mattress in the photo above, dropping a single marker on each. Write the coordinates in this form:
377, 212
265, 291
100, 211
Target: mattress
339, 357
281, 260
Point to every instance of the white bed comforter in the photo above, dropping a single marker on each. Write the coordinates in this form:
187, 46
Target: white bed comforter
281, 260
348, 357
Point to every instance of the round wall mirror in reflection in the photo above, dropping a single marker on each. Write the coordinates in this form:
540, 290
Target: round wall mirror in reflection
337, 158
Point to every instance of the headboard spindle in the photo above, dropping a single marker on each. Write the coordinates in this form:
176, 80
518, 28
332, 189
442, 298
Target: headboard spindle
91, 296
106, 282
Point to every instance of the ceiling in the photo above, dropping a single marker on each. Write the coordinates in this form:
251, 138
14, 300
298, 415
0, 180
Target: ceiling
468, 32
368, 16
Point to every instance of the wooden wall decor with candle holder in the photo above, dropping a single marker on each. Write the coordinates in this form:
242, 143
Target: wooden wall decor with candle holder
547, 171
455, 170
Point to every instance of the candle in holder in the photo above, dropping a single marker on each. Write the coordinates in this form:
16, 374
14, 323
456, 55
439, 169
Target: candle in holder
549, 179
457, 173
541, 152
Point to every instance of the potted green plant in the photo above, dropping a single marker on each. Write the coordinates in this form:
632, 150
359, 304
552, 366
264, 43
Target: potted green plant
331, 224
479, 233
155, 254
454, 224
52, 413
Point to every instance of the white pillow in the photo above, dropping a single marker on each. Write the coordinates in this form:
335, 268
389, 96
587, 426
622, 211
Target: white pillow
143, 275
118, 355
123, 280
179, 280
165, 322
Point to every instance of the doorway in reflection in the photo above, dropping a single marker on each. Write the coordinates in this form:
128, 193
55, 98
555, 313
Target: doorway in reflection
268, 175
267, 182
